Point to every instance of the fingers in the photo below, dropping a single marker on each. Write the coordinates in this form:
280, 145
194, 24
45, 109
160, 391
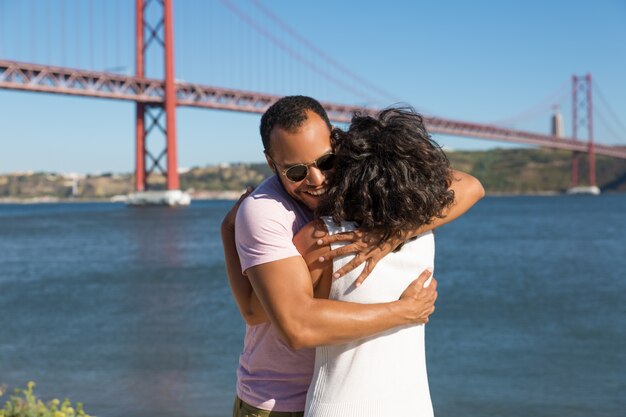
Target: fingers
432, 290
369, 267
356, 261
344, 250
339, 237
421, 280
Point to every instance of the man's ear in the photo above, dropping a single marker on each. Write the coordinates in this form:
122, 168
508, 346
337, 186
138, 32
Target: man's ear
270, 162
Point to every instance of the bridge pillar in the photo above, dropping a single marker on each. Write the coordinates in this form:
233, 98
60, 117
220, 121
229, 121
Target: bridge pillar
140, 126
591, 152
582, 110
152, 120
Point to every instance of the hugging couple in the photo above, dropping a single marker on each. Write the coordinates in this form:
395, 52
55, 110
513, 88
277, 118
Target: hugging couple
330, 262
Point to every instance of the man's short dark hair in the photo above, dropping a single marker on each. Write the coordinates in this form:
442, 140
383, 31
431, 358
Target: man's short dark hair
289, 113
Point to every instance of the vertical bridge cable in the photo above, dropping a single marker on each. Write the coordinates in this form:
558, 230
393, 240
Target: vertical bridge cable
91, 46
3, 53
77, 36
31, 33
105, 42
194, 44
182, 42
3, 31
117, 18
320, 53
18, 42
211, 47
295, 54
540, 108
616, 120
48, 24
608, 127
62, 10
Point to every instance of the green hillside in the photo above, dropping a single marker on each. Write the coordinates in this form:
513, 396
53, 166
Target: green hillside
527, 171
502, 171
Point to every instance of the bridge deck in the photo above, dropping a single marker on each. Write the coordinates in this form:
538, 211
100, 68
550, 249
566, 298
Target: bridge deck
40, 78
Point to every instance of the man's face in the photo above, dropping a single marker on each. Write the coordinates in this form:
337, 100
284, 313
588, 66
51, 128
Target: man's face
303, 146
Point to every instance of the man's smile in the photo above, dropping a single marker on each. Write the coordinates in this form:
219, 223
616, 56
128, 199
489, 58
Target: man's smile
316, 193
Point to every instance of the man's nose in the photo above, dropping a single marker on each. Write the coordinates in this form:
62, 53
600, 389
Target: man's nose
315, 177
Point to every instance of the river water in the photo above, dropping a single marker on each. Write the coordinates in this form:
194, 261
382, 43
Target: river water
128, 310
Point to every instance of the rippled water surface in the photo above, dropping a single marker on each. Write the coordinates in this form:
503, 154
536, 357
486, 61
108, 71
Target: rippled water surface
129, 311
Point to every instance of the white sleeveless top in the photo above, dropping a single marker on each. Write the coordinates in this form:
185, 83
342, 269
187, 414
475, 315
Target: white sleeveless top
382, 375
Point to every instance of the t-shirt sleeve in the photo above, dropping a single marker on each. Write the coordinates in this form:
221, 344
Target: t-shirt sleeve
263, 232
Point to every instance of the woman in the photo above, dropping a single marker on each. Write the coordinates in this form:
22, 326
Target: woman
389, 176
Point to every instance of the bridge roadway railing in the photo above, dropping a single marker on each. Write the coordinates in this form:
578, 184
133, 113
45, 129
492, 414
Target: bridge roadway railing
47, 79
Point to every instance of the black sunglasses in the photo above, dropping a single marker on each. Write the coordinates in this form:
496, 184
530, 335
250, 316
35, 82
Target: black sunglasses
299, 172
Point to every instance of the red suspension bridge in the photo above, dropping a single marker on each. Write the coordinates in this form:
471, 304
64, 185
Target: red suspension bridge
156, 99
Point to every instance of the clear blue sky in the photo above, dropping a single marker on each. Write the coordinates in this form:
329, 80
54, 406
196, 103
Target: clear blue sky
480, 61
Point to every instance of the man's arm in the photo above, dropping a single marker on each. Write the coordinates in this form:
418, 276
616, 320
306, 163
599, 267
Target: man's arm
467, 191
285, 290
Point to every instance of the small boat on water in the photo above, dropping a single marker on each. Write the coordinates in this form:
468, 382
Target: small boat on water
159, 198
584, 190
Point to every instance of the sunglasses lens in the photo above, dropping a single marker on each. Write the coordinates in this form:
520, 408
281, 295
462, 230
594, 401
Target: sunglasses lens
326, 162
297, 173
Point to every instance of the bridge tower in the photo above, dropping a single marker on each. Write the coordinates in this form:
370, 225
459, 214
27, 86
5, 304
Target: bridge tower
582, 109
154, 33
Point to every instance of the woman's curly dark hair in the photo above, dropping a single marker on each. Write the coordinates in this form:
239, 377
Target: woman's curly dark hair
389, 174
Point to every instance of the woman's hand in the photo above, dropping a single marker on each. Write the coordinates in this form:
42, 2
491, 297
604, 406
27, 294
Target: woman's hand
366, 247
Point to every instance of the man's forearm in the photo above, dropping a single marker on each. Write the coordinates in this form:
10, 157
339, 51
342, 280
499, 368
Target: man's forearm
305, 321
328, 322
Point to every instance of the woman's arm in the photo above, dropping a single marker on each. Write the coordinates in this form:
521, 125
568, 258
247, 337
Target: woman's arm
467, 191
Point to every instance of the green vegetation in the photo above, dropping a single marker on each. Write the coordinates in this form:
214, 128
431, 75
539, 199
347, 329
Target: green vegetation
532, 171
224, 177
24, 403
502, 171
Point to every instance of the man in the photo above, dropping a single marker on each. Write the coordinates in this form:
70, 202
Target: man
276, 364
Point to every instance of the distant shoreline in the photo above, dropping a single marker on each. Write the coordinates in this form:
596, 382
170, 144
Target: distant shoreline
199, 196
227, 195
502, 172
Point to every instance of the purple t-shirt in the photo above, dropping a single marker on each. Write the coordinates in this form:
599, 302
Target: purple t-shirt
271, 375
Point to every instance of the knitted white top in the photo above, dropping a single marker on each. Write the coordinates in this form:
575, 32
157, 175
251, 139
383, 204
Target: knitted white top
382, 375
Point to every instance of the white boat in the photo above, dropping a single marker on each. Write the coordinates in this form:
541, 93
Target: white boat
159, 198
119, 198
584, 190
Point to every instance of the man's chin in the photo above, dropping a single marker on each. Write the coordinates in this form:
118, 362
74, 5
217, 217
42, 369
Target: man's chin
312, 202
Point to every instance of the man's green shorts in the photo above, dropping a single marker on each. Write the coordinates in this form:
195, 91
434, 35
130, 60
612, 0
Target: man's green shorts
242, 409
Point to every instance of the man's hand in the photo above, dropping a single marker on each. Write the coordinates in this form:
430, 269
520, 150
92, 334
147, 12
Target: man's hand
366, 247
420, 299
